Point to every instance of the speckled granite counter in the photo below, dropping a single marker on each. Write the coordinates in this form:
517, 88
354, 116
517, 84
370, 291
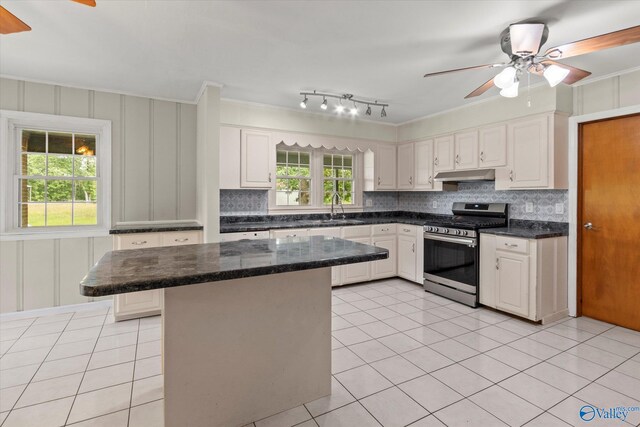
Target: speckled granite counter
530, 229
155, 228
234, 224
162, 267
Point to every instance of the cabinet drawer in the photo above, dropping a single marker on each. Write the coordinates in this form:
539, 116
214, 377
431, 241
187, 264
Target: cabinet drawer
252, 235
383, 229
177, 238
138, 240
356, 231
407, 230
512, 244
293, 232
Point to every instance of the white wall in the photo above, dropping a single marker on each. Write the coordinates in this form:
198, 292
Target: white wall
153, 178
607, 94
491, 110
236, 113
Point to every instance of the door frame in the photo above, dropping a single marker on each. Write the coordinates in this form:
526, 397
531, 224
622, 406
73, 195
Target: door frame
574, 141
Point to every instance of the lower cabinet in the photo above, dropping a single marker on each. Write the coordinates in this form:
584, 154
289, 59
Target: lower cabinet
384, 236
354, 273
525, 277
336, 272
147, 303
249, 235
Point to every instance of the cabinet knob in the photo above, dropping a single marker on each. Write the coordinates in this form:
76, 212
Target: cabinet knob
511, 245
411, 180
457, 159
378, 180
511, 175
139, 242
497, 263
413, 248
269, 176
482, 156
185, 239
435, 161
430, 179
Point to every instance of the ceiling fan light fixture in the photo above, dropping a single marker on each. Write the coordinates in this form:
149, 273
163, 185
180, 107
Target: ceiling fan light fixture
525, 38
555, 74
505, 78
511, 91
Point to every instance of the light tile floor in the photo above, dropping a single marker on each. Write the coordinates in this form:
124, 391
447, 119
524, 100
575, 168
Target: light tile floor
400, 357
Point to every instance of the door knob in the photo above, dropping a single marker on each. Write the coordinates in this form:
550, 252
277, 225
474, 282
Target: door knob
588, 226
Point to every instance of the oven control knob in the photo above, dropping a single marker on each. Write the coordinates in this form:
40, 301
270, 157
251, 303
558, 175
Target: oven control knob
445, 230
465, 233
458, 232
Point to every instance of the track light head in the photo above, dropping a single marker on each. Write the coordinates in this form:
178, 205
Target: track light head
383, 113
324, 104
340, 108
368, 112
303, 103
354, 110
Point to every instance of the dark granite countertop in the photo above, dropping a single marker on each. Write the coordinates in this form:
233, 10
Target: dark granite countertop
155, 228
235, 224
530, 229
163, 267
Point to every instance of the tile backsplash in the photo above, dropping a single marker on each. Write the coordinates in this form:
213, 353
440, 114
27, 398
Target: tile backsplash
543, 201
244, 202
255, 202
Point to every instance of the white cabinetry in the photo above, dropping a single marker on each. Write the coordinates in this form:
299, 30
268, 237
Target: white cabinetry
409, 258
537, 154
423, 175
147, 303
256, 154
443, 153
289, 232
353, 273
406, 166
385, 167
492, 143
246, 235
384, 236
336, 272
466, 150
524, 277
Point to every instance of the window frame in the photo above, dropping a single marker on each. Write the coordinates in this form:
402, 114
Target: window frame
336, 180
310, 178
317, 179
11, 124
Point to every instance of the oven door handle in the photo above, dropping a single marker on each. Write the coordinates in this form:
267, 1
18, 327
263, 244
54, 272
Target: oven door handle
459, 240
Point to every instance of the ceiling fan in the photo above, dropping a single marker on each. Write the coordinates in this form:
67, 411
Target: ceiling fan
522, 43
9, 23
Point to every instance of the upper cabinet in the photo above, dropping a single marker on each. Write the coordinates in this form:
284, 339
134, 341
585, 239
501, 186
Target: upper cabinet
443, 153
537, 154
406, 178
385, 167
492, 143
423, 174
256, 154
466, 150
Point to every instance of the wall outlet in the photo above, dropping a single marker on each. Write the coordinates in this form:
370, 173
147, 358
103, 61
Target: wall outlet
435, 205
368, 203
528, 207
559, 208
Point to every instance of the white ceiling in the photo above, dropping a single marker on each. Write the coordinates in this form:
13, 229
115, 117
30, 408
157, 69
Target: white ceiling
267, 51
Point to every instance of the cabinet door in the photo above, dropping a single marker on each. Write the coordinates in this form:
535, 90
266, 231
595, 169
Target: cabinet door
256, 155
385, 267
407, 257
179, 238
405, 167
336, 272
134, 305
492, 143
385, 169
229, 158
443, 148
488, 271
528, 142
353, 273
423, 174
466, 150
512, 284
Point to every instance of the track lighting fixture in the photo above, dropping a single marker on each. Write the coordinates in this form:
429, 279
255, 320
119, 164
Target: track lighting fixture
340, 108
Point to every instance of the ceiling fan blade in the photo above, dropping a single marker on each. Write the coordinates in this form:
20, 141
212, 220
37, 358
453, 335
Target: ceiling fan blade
9, 23
481, 89
594, 44
465, 69
91, 3
525, 38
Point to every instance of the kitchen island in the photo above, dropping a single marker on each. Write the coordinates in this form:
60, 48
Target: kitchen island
246, 325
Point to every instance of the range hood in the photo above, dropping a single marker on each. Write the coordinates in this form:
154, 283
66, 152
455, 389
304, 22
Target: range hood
462, 176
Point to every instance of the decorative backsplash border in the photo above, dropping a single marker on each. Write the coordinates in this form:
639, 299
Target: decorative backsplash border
255, 202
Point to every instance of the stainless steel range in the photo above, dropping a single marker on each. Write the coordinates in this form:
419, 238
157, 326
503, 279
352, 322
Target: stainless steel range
452, 253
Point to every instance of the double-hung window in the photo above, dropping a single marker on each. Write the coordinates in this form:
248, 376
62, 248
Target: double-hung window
57, 173
309, 178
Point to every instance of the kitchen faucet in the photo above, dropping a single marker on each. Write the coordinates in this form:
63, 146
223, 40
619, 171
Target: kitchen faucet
335, 198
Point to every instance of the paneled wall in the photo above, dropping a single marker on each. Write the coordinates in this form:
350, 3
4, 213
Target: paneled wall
607, 94
153, 178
